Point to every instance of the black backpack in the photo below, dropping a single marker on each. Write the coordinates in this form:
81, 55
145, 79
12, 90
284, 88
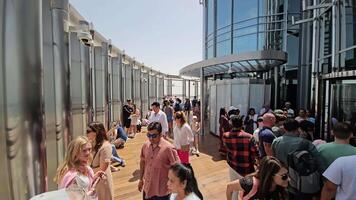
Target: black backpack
303, 171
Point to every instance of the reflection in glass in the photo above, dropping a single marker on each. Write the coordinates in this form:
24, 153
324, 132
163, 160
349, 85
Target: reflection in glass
223, 48
245, 43
343, 102
245, 9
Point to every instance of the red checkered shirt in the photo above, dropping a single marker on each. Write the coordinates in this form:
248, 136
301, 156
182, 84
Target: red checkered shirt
241, 151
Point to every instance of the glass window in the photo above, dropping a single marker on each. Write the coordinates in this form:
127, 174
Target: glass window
223, 37
350, 10
223, 48
245, 9
343, 105
223, 9
293, 49
294, 6
210, 11
245, 43
210, 53
245, 31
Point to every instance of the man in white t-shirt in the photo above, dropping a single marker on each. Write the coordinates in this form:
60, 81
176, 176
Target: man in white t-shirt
341, 179
157, 115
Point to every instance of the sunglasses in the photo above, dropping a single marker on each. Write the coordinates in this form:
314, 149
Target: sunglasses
153, 136
283, 176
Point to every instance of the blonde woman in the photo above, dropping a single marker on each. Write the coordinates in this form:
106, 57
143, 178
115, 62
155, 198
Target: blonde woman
183, 136
102, 151
75, 170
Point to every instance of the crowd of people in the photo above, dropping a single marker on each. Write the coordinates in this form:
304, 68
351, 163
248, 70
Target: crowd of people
165, 170
276, 155
270, 155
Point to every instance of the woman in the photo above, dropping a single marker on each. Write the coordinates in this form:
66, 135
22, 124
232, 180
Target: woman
112, 134
183, 136
101, 160
223, 127
182, 183
168, 109
135, 116
251, 121
75, 170
269, 182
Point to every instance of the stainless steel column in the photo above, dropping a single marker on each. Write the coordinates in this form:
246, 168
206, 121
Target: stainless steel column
202, 101
188, 89
184, 85
22, 139
61, 77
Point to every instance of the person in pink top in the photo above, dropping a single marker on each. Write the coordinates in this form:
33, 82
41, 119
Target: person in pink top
157, 156
74, 172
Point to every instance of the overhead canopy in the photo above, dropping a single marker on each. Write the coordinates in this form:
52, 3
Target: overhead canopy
240, 63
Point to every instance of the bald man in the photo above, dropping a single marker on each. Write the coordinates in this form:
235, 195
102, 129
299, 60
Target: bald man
266, 135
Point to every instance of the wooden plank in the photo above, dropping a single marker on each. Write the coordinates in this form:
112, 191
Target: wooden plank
210, 170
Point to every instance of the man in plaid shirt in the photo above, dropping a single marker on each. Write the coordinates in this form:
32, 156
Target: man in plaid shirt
241, 150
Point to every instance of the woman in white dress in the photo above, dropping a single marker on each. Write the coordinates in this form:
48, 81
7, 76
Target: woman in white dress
182, 183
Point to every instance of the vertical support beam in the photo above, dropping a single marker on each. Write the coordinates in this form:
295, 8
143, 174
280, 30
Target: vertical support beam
184, 90
335, 35
196, 88
188, 89
202, 101
22, 126
314, 64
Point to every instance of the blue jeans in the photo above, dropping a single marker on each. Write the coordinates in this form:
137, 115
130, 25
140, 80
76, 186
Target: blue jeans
121, 134
115, 157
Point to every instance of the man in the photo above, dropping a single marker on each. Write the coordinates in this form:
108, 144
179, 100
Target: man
289, 143
329, 152
341, 179
157, 115
194, 101
302, 115
157, 156
187, 108
241, 150
127, 109
266, 135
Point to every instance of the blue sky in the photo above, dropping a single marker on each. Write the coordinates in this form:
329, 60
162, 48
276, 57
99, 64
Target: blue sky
164, 34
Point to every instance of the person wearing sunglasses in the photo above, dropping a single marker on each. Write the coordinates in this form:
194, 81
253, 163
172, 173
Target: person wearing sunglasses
183, 136
268, 182
157, 156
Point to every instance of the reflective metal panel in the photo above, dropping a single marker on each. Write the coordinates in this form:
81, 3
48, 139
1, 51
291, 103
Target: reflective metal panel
61, 67
214, 112
116, 89
49, 94
99, 84
23, 170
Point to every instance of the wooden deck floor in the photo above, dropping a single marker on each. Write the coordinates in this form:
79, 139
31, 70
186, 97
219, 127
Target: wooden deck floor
211, 171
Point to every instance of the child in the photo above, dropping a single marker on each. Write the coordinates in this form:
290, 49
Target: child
196, 130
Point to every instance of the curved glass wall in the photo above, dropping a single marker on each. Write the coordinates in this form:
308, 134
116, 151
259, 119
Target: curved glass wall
237, 26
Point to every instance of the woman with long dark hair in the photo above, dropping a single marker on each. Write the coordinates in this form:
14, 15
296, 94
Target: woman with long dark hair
101, 160
269, 182
182, 183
